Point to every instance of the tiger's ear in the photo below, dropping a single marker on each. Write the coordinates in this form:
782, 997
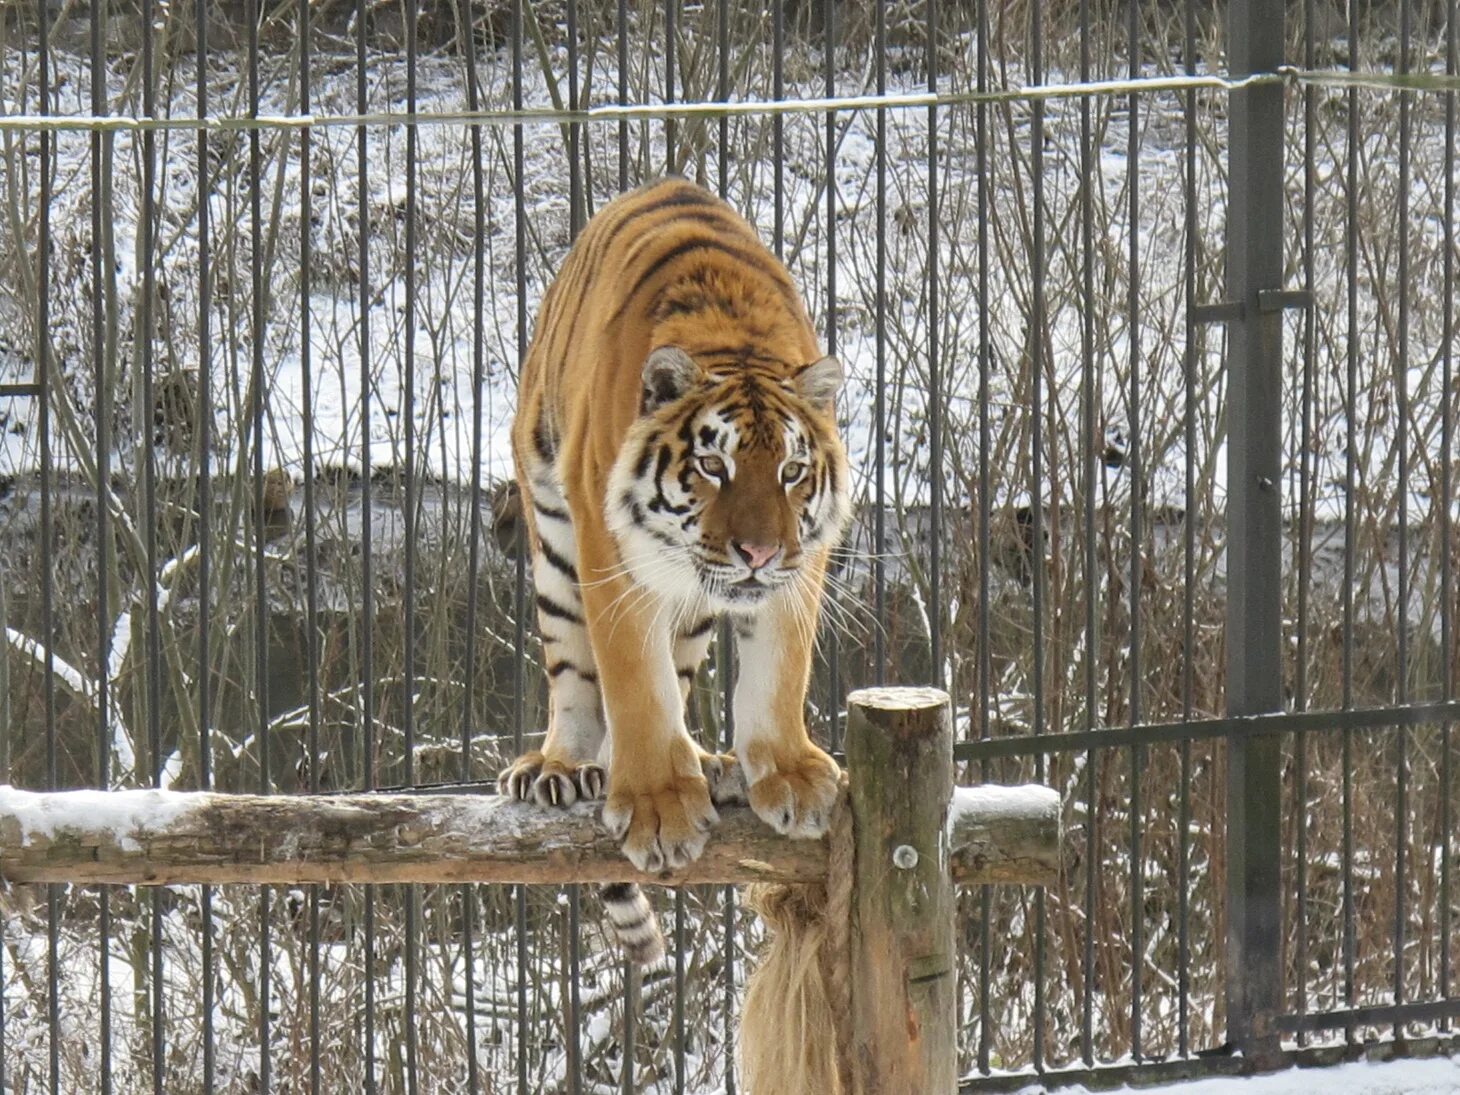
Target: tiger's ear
669, 372
819, 382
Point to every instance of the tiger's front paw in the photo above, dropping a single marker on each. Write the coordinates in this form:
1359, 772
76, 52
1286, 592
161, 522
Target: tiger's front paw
793, 791
662, 813
549, 781
725, 777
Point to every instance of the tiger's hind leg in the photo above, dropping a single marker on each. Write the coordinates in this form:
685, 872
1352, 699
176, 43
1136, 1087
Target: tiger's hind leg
567, 767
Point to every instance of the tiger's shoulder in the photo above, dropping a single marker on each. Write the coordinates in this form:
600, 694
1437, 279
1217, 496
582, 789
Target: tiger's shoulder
670, 263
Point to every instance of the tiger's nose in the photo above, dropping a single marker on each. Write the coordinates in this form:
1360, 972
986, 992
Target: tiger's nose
755, 555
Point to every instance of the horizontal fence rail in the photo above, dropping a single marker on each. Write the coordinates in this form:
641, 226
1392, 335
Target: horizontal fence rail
165, 838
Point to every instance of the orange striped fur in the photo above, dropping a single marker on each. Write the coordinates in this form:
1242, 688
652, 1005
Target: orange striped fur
677, 453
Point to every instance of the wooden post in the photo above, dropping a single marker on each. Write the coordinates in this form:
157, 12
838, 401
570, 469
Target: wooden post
899, 746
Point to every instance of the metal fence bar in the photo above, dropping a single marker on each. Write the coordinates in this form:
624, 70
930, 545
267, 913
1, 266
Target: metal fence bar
1038, 354
1398, 1014
1284, 75
412, 894
44, 379
205, 531
1350, 515
579, 192
1188, 543
311, 576
879, 385
1134, 463
1401, 385
147, 323
724, 650
833, 646
474, 548
936, 469
103, 302
520, 577
1089, 392
1305, 525
1447, 487
1254, 607
258, 328
985, 517
1233, 727
367, 545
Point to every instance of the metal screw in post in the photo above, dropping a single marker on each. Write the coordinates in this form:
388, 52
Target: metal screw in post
905, 857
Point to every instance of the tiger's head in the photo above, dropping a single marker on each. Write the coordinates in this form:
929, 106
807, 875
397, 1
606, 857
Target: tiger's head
729, 480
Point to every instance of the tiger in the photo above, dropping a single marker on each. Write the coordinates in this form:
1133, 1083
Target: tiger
676, 445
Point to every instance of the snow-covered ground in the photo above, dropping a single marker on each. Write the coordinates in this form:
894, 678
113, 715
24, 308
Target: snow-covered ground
1438, 1076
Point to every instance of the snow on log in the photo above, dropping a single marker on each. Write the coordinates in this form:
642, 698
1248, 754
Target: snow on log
178, 837
1005, 834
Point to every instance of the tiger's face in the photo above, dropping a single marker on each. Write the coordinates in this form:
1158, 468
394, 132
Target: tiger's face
728, 482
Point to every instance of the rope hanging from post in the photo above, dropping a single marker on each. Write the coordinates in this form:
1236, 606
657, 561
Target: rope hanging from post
795, 1029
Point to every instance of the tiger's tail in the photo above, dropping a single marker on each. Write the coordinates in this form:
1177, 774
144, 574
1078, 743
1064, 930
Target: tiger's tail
633, 922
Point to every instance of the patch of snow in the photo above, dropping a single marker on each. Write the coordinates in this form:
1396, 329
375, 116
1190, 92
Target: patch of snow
45, 816
1437, 1076
1028, 801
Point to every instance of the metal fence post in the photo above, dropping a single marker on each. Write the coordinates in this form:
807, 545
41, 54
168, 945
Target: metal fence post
1254, 518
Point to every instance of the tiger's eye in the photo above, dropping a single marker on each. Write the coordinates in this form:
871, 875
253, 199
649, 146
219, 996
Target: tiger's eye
792, 472
712, 467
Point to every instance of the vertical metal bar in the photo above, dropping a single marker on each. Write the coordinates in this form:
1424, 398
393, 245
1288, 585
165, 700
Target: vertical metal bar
101, 347
577, 209
146, 323
311, 571
519, 599
725, 655
1089, 387
1037, 355
680, 1064
985, 503
43, 378
778, 129
622, 26
632, 984
1401, 387
722, 91
724, 650
879, 398
1254, 627
474, 551
670, 9
576, 203
935, 373
367, 572
1135, 463
261, 592
408, 412
833, 649
1304, 550
1350, 515
1447, 537
205, 524
1188, 568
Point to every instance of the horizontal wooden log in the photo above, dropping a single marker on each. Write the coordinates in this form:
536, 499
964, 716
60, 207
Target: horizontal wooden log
1005, 834
179, 837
